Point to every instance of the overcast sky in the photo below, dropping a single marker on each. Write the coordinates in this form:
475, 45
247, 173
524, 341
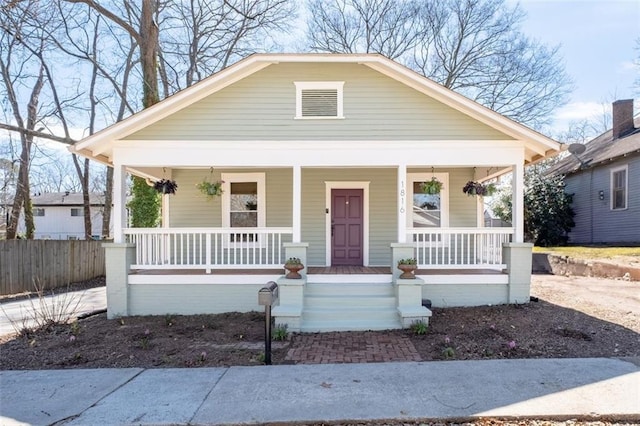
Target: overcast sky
598, 43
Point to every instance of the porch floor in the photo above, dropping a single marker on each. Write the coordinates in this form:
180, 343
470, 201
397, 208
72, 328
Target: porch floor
315, 270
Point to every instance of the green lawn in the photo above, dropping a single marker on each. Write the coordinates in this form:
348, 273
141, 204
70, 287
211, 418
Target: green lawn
590, 252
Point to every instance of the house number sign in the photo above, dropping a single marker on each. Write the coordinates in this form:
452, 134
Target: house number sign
402, 195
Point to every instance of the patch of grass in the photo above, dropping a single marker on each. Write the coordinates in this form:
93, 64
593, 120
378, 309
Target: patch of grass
584, 252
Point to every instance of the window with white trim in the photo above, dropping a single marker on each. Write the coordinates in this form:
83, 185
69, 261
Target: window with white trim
38, 211
243, 203
75, 212
427, 210
619, 190
319, 99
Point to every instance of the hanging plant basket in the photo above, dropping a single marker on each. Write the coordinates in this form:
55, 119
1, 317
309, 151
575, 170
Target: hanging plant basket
431, 187
165, 186
479, 189
210, 189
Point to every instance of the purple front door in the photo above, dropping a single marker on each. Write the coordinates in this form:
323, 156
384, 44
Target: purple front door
346, 227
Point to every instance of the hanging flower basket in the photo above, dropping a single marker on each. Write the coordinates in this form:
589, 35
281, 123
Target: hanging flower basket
165, 186
210, 189
479, 189
431, 187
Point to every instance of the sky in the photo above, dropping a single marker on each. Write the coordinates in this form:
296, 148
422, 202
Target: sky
597, 40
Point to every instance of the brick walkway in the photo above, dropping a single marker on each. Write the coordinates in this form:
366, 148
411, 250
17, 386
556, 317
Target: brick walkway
325, 348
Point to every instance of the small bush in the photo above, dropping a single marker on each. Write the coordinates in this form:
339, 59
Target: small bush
419, 327
448, 353
280, 332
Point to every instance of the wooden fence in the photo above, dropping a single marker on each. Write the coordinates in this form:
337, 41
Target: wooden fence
53, 263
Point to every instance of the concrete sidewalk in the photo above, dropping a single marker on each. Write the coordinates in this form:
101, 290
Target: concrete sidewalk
327, 392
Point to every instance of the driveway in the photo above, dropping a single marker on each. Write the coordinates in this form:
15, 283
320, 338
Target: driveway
617, 301
27, 312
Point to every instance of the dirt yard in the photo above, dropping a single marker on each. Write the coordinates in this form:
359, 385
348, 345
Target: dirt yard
573, 317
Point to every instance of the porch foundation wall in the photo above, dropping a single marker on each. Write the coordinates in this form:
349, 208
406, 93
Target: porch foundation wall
453, 295
191, 299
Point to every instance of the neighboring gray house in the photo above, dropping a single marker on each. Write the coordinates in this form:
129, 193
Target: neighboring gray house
60, 216
605, 181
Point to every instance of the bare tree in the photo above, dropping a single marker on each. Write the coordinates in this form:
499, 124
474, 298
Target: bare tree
474, 47
389, 27
20, 69
200, 37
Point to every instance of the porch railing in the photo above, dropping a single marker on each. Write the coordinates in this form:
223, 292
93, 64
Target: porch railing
207, 248
460, 248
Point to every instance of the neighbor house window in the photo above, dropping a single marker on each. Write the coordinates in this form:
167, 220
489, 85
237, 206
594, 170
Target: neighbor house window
37, 211
319, 99
243, 203
76, 212
619, 188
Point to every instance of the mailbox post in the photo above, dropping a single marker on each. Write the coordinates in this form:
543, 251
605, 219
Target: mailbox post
267, 296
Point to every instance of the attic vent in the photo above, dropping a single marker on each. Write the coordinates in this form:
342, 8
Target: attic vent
319, 99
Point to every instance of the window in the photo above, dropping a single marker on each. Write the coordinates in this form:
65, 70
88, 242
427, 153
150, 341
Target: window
319, 99
426, 210
619, 188
76, 212
38, 211
243, 203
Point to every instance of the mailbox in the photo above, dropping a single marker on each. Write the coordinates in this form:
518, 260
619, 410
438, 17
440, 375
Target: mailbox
268, 294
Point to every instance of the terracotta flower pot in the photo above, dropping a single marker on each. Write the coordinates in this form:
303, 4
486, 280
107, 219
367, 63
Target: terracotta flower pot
294, 269
407, 271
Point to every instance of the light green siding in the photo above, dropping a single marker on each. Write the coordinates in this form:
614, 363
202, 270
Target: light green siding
191, 299
262, 107
382, 210
190, 208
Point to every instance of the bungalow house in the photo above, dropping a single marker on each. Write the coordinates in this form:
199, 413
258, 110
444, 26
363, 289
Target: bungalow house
60, 216
605, 182
319, 157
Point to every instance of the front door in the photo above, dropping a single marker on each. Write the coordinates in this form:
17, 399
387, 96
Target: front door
346, 226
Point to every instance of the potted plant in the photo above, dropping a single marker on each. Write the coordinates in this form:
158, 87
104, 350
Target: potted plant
408, 267
431, 187
293, 265
210, 189
479, 189
165, 186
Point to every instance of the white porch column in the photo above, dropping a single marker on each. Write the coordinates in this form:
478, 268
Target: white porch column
119, 202
402, 203
517, 205
297, 204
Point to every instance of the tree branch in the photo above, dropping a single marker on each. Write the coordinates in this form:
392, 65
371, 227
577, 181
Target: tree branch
37, 134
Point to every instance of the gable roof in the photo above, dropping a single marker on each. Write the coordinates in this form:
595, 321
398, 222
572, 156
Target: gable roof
601, 149
70, 199
98, 146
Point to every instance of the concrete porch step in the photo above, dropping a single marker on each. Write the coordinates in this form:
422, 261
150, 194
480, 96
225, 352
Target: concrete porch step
349, 289
350, 306
349, 313
353, 325
328, 302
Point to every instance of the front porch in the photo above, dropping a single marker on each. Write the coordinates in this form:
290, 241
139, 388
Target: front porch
325, 299
213, 255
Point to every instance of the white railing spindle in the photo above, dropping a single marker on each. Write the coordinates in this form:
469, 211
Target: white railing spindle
459, 248
208, 248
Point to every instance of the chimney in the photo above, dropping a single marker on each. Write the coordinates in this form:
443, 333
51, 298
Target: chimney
622, 118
